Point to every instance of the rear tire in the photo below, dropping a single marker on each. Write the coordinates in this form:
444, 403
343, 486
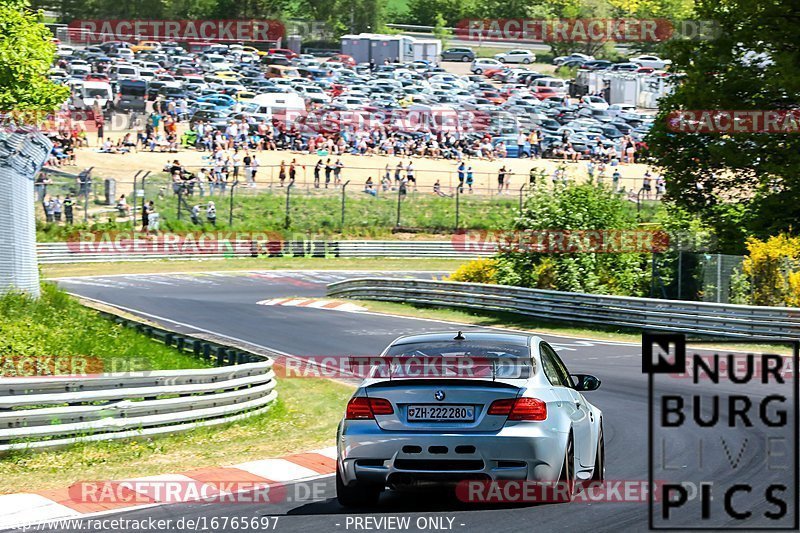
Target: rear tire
599, 473
502, 60
478, 71
567, 476
526, 61
465, 58
357, 494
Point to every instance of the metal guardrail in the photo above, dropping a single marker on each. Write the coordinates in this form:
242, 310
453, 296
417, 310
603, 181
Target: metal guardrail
722, 320
53, 412
142, 250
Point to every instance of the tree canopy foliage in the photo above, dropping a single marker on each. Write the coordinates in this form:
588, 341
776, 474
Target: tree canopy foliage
742, 184
26, 54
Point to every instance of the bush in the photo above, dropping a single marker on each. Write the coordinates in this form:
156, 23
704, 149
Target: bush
476, 271
773, 267
577, 207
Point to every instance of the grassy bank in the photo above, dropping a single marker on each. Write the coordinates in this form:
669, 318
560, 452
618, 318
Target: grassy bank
364, 216
305, 417
251, 263
57, 325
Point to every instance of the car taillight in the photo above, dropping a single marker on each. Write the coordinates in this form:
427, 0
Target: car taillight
361, 408
520, 408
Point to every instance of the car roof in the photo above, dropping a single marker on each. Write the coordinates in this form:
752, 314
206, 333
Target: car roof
519, 339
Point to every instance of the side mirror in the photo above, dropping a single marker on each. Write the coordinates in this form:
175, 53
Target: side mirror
585, 382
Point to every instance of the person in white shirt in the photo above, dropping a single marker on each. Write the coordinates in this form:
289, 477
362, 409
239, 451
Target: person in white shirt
211, 213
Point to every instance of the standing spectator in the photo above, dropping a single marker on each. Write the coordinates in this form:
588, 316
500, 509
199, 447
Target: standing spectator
647, 184
248, 170
501, 178
282, 173
68, 205
48, 209
57, 208
535, 141
410, 174
398, 171
461, 176
211, 213
337, 172
661, 187
196, 214
254, 164
470, 178
292, 172
615, 180
521, 138
317, 169
146, 211
328, 170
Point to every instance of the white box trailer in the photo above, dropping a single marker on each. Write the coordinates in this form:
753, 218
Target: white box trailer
366, 47
427, 50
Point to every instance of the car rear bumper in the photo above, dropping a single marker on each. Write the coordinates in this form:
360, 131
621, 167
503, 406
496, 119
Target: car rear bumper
523, 451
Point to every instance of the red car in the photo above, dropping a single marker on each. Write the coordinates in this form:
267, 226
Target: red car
344, 59
544, 92
285, 52
96, 76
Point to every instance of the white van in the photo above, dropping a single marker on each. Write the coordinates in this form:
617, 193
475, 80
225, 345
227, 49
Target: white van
283, 106
559, 86
123, 72
90, 92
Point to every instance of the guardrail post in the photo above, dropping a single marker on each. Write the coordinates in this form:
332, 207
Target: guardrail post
343, 200
230, 213
221, 356
287, 222
133, 200
168, 339
399, 198
458, 203
144, 177
206, 351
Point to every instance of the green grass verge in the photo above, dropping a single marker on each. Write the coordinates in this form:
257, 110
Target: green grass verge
248, 263
304, 417
57, 325
365, 216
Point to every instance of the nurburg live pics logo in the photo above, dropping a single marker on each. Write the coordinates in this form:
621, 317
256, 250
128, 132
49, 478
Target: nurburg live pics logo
723, 444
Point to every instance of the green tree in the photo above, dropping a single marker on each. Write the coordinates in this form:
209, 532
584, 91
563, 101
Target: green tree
744, 183
26, 55
549, 216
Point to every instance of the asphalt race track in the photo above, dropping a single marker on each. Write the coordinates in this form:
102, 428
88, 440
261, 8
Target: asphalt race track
225, 304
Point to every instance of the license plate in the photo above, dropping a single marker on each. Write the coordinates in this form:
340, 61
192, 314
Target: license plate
441, 413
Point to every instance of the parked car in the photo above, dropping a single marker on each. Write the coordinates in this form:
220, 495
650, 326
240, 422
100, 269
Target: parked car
623, 67
480, 65
596, 64
516, 56
458, 54
560, 60
651, 61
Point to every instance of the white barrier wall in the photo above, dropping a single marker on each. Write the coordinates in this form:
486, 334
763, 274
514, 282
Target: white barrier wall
21, 157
